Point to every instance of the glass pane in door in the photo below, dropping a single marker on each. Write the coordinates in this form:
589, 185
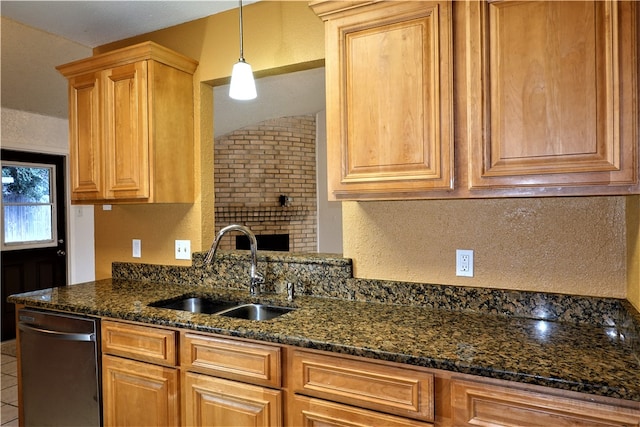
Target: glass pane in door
28, 209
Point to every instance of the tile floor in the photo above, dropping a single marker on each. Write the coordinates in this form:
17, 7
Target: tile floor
9, 385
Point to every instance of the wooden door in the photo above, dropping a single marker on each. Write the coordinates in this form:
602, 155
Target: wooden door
550, 89
139, 394
34, 253
85, 136
126, 132
389, 98
210, 401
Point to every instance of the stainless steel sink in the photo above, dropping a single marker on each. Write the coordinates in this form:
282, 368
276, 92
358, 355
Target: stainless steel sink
256, 312
195, 304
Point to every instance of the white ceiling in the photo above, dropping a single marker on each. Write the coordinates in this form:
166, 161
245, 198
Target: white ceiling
285, 95
94, 23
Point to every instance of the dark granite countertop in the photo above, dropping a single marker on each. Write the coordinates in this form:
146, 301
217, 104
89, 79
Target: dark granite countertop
571, 356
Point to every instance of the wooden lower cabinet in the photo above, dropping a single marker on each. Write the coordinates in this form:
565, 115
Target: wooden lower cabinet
199, 379
139, 394
210, 401
309, 412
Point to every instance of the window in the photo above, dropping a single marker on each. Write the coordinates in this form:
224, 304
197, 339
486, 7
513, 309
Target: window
28, 205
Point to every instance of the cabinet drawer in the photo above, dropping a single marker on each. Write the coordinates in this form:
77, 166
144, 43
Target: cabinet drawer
143, 343
400, 391
309, 412
481, 404
249, 362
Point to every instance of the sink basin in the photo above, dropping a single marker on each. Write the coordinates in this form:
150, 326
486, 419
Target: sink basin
256, 312
195, 304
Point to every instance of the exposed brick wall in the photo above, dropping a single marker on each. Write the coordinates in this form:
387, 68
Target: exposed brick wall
254, 165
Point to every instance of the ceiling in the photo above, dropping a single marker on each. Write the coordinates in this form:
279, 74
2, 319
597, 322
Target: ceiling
94, 23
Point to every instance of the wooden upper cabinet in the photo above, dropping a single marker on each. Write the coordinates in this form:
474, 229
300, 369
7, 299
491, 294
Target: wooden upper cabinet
389, 98
127, 162
552, 94
85, 144
131, 126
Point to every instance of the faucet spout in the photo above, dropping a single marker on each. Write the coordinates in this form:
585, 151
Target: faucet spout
256, 277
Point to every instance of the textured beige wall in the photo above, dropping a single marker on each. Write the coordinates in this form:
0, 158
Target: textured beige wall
565, 245
633, 250
157, 226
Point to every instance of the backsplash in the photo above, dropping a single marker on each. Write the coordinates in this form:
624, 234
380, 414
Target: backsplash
331, 276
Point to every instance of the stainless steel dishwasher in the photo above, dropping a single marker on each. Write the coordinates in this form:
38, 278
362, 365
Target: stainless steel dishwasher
60, 369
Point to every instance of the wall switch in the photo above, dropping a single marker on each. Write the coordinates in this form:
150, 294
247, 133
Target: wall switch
183, 249
464, 262
137, 248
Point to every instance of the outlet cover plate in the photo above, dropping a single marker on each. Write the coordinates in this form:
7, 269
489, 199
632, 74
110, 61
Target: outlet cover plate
464, 262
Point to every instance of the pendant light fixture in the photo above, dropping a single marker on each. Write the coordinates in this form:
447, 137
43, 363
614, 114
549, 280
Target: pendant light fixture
243, 86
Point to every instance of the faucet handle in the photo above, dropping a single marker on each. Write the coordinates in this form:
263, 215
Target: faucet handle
257, 278
290, 291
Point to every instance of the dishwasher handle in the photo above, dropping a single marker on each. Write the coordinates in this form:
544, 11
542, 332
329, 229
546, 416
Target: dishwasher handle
66, 336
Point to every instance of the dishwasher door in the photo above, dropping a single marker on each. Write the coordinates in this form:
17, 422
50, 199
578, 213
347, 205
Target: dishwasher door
60, 369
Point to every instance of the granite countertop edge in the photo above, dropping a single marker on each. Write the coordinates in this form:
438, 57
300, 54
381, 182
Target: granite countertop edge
478, 344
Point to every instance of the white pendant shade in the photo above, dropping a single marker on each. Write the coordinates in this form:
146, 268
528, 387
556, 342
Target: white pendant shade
243, 86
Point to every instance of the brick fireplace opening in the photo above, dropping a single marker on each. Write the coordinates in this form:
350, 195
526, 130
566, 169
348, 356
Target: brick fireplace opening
265, 179
266, 242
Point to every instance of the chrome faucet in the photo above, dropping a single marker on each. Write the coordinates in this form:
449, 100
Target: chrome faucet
256, 277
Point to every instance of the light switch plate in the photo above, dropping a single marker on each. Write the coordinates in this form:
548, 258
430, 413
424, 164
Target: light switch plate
183, 249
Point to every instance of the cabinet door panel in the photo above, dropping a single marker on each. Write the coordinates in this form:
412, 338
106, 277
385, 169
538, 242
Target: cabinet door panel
389, 92
127, 137
139, 394
552, 112
210, 401
85, 138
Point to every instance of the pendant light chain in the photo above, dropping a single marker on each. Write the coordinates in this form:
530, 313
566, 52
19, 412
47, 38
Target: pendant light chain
241, 35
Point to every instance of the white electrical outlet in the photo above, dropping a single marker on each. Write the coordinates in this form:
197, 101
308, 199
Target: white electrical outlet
183, 249
137, 248
464, 262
